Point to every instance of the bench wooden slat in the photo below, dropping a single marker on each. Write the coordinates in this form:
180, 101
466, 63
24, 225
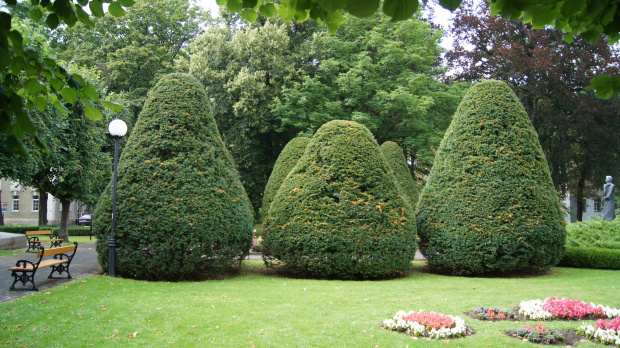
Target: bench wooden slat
38, 233
43, 264
58, 250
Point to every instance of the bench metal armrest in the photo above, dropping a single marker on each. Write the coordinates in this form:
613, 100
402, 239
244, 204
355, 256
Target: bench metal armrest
23, 263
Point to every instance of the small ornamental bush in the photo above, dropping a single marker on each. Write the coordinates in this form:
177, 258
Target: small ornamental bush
181, 210
339, 212
594, 233
594, 258
489, 313
288, 158
489, 205
398, 164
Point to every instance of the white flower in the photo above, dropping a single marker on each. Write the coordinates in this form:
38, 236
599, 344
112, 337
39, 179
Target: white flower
533, 309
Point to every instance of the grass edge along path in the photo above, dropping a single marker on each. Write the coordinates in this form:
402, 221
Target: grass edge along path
261, 309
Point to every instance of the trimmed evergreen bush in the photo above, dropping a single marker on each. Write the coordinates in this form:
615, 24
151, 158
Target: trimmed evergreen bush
489, 205
289, 156
339, 212
595, 258
398, 164
182, 212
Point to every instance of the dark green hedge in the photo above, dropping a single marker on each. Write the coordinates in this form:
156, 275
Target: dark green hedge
591, 258
23, 228
339, 213
594, 233
289, 156
489, 205
74, 231
182, 212
397, 162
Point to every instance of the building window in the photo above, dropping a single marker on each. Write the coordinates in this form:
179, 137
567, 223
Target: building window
597, 205
35, 203
15, 204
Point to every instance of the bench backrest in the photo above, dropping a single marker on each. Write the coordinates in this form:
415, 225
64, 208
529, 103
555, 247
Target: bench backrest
38, 233
59, 250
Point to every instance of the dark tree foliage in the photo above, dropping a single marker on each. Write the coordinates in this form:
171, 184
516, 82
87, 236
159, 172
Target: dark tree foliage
489, 205
181, 209
577, 130
398, 164
339, 212
288, 158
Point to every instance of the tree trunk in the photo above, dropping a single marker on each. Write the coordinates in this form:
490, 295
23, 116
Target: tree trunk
1, 219
64, 220
580, 199
42, 208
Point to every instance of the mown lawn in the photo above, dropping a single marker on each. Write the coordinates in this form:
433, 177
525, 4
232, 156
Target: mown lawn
80, 239
261, 309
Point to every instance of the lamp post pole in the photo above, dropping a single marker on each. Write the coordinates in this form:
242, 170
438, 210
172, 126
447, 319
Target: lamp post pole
117, 129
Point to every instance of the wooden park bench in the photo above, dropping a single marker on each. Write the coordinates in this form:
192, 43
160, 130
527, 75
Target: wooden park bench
34, 242
25, 270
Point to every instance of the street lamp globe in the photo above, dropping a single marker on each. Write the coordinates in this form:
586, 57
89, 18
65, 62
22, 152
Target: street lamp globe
117, 128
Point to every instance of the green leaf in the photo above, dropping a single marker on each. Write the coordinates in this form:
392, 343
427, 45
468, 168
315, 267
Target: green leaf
36, 14
451, 5
220, 2
400, 9
605, 85
362, 8
84, 17
127, 3
33, 86
92, 112
234, 5
90, 93
543, 15
112, 105
302, 15
57, 84
60, 107
50, 63
334, 5
70, 20
40, 103
25, 123
116, 9
82, 2
497, 6
570, 7
334, 20
96, 8
41, 144
249, 3
52, 21
268, 10
249, 15
62, 8
69, 95
13, 144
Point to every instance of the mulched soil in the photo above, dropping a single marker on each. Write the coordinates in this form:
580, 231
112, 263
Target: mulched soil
570, 339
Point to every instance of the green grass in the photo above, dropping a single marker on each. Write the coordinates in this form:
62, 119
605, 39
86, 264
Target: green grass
79, 239
258, 308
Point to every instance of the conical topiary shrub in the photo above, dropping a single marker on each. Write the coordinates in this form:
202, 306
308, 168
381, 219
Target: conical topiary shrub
397, 162
339, 213
489, 205
181, 210
289, 156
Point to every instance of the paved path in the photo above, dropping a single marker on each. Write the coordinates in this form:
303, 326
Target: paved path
84, 264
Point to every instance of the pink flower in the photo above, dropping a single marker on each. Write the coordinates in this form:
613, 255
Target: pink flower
501, 315
612, 324
540, 329
569, 309
490, 313
429, 319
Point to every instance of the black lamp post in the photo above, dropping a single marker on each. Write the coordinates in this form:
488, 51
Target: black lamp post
117, 129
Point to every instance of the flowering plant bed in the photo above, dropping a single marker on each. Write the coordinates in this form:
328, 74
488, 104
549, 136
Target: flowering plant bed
491, 314
565, 308
603, 332
427, 324
540, 334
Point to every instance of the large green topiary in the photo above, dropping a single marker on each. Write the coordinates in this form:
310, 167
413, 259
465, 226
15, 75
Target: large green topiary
397, 162
489, 205
181, 209
289, 156
339, 213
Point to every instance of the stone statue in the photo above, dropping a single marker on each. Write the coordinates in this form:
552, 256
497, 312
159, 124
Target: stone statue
609, 200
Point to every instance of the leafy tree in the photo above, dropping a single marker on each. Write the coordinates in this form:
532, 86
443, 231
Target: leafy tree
134, 50
489, 205
181, 209
288, 158
590, 19
242, 82
30, 79
339, 212
398, 165
577, 131
381, 74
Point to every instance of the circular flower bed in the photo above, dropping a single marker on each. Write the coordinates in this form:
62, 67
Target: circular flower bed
427, 324
540, 334
492, 314
603, 332
565, 308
